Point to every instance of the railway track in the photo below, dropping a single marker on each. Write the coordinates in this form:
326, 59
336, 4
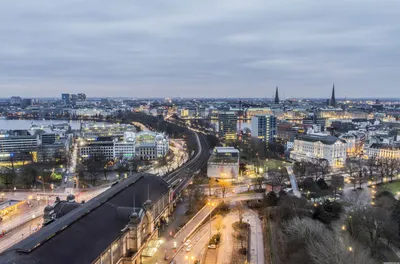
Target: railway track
180, 178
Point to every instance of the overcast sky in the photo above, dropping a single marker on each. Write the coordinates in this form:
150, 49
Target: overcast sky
207, 48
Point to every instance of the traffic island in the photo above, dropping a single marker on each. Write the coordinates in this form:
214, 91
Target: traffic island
241, 240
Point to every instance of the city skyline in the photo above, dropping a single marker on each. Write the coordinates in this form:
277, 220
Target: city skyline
243, 49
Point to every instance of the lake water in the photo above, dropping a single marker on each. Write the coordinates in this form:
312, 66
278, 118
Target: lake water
26, 124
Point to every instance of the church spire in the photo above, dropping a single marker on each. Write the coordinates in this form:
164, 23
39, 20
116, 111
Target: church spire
333, 99
276, 96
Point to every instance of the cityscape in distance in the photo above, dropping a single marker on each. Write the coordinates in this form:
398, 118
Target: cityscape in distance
199, 132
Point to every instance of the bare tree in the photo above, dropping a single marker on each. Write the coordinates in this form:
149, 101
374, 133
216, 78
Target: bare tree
316, 168
329, 249
337, 182
300, 169
7, 178
393, 165
211, 185
374, 222
352, 169
278, 177
324, 246
371, 164
92, 165
219, 223
383, 168
324, 167
224, 186
258, 181
239, 207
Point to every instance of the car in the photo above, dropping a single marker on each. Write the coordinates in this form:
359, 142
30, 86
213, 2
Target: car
187, 242
212, 246
189, 248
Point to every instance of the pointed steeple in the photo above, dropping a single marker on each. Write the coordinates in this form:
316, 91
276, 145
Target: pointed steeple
276, 96
332, 102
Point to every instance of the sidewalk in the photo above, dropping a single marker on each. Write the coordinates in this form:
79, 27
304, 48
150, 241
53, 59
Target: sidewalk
226, 247
256, 237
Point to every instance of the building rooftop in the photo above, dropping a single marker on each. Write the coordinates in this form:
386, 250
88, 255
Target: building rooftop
395, 146
226, 150
328, 140
84, 233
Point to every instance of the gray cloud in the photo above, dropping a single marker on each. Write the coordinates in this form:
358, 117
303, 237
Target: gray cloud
200, 48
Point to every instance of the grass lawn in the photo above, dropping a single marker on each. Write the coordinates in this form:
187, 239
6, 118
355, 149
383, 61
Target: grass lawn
275, 164
394, 187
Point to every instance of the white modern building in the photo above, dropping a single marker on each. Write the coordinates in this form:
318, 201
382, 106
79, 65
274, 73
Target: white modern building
263, 127
320, 146
142, 145
223, 163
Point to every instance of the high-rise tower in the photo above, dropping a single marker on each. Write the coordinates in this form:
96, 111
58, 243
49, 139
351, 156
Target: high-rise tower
276, 96
332, 102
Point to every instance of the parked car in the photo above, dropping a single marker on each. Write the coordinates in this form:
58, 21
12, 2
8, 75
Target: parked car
212, 246
189, 248
187, 242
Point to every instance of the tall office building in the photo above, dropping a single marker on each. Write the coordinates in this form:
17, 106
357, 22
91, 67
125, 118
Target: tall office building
15, 100
263, 127
65, 98
81, 97
227, 123
17, 145
73, 99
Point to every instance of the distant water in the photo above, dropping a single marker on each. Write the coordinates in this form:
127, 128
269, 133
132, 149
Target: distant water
26, 124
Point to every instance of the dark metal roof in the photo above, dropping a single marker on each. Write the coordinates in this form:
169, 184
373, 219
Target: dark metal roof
64, 207
328, 140
385, 146
83, 234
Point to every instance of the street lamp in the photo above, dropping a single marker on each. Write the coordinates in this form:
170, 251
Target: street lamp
211, 204
2, 197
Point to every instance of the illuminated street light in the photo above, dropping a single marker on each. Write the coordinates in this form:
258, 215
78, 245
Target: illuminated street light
343, 227
350, 249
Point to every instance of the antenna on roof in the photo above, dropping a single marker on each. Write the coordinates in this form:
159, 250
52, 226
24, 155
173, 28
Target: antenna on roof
148, 192
134, 203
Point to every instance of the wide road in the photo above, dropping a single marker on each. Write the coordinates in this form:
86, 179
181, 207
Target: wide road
22, 214
20, 233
